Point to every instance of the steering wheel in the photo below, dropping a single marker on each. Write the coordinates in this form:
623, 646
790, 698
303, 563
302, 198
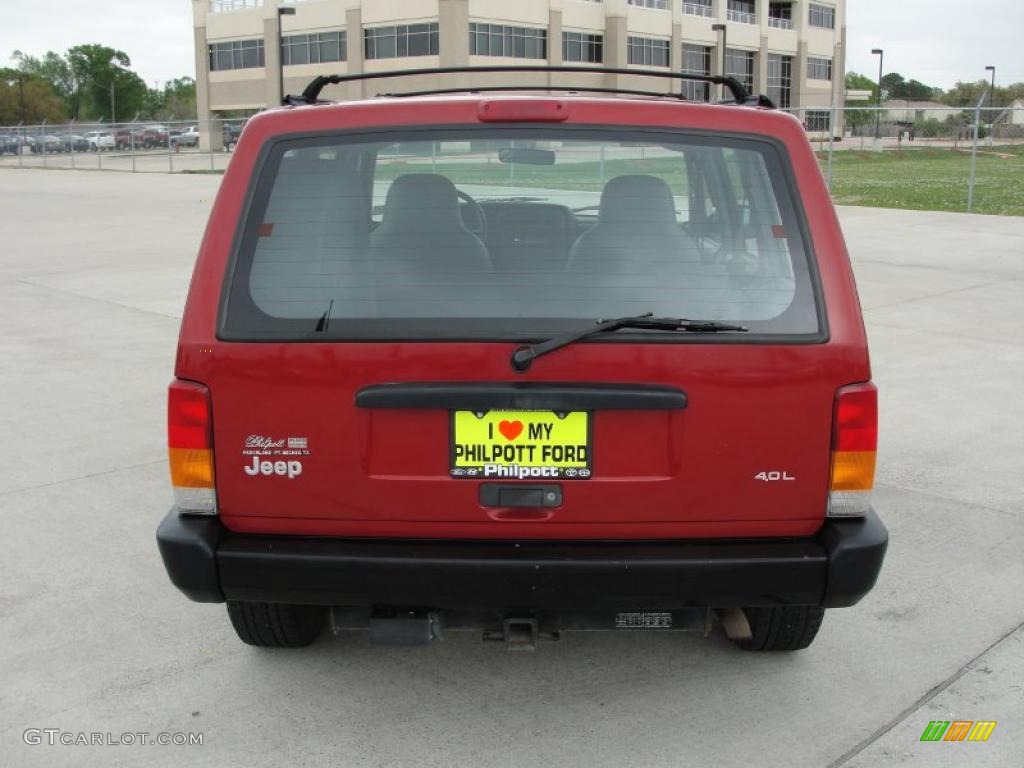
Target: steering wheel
478, 212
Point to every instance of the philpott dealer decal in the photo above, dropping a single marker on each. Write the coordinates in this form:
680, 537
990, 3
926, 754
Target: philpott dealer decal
273, 456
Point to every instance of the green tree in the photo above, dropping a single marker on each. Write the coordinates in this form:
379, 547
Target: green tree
965, 94
26, 98
895, 86
918, 91
855, 118
1010, 93
175, 101
58, 72
112, 91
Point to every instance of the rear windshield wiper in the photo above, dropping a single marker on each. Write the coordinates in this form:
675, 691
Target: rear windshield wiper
524, 356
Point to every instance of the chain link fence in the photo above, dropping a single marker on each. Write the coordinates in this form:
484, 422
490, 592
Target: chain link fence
902, 155
168, 147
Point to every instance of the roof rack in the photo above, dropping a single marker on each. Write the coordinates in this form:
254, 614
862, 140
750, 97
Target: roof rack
311, 95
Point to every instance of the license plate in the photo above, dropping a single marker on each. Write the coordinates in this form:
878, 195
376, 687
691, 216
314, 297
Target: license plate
520, 445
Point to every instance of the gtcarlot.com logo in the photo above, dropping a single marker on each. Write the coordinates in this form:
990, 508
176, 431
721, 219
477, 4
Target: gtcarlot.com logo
55, 736
958, 730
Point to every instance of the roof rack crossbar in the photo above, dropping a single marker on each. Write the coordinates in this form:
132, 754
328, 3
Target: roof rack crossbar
497, 88
740, 94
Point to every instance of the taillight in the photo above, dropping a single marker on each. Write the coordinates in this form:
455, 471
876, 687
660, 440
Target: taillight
190, 447
854, 447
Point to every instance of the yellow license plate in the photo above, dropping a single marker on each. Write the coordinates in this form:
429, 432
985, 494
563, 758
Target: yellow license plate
520, 445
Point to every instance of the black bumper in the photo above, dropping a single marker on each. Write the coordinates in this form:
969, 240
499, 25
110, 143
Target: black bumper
836, 568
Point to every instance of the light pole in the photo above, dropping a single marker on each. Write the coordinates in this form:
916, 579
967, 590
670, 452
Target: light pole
724, 30
992, 104
878, 102
878, 114
21, 93
281, 12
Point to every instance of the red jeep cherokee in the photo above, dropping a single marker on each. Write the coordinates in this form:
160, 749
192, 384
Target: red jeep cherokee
526, 364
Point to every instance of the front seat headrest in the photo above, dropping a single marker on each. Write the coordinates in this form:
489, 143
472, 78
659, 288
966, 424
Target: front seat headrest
416, 199
637, 202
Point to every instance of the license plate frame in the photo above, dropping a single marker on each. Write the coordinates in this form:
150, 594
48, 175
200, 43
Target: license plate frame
469, 452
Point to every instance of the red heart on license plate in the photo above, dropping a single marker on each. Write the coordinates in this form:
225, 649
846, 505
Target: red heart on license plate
511, 429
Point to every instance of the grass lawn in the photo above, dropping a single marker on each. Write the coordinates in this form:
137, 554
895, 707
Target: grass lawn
930, 179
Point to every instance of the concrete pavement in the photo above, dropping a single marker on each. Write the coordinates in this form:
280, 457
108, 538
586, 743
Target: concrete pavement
93, 273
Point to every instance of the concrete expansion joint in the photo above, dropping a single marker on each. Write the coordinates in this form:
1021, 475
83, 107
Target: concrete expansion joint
923, 700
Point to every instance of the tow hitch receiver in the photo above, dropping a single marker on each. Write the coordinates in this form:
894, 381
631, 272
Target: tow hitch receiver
520, 634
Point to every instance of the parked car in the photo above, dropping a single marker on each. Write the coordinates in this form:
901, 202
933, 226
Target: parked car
11, 143
47, 144
187, 138
517, 388
155, 136
74, 142
129, 138
100, 141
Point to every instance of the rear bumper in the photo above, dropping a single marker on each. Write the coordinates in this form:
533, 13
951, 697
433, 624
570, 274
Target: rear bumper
836, 568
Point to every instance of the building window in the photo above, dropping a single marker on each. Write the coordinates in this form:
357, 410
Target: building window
780, 80
661, 5
780, 15
742, 11
648, 51
401, 41
314, 48
696, 61
699, 8
819, 68
511, 42
238, 54
580, 46
823, 16
818, 120
740, 64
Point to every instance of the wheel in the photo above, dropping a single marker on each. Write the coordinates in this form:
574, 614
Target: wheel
782, 628
276, 625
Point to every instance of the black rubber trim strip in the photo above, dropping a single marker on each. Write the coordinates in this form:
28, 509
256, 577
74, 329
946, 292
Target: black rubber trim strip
522, 396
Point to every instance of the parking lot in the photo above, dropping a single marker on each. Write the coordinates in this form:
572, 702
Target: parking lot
92, 280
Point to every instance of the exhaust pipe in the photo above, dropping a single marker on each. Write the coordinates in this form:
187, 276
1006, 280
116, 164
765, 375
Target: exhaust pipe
735, 623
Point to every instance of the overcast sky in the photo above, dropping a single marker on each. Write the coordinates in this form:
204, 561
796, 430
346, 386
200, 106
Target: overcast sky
936, 41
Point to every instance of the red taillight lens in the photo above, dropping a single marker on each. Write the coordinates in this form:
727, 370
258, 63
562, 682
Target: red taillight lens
856, 419
190, 447
854, 449
188, 415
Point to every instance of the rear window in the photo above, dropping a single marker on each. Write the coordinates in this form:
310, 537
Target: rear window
517, 233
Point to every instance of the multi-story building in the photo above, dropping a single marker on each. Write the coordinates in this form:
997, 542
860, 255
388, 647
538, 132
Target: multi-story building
792, 50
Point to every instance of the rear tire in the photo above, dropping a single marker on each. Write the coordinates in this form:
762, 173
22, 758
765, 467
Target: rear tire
276, 625
782, 628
